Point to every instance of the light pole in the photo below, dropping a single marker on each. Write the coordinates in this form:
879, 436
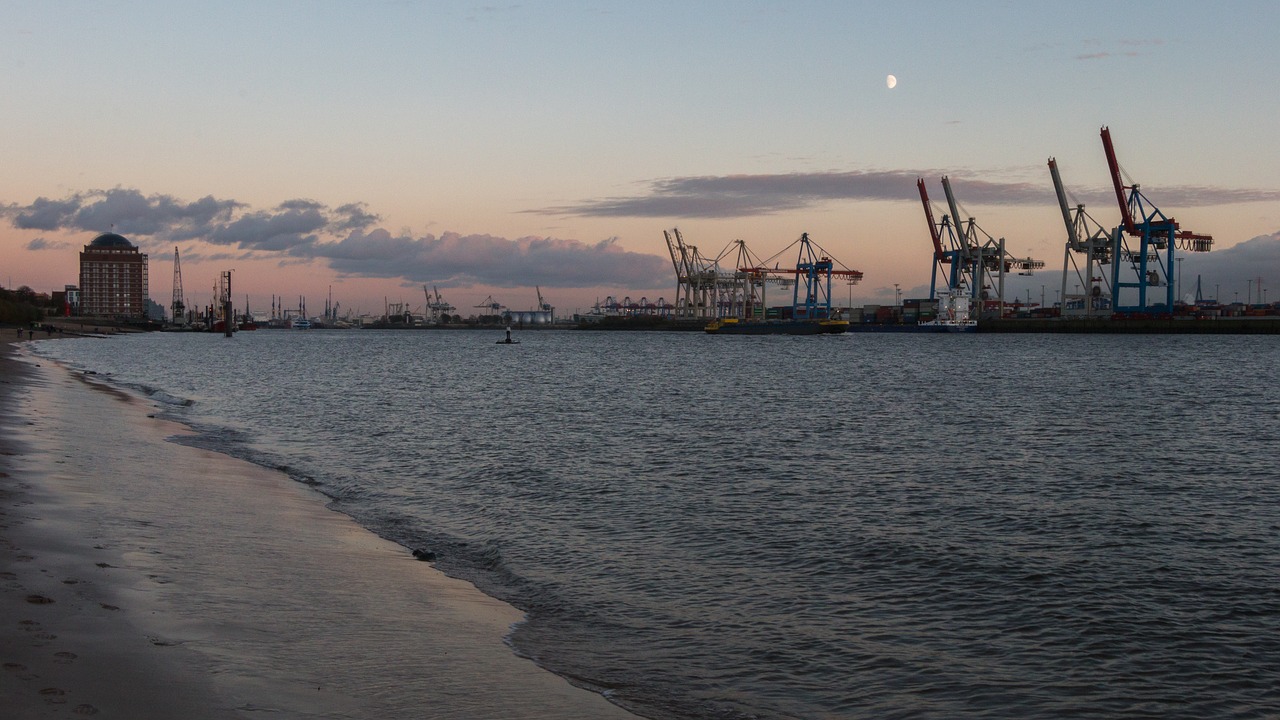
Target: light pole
1178, 291
1249, 297
896, 295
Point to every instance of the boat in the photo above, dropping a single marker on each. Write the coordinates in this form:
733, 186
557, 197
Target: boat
947, 325
734, 326
953, 316
300, 323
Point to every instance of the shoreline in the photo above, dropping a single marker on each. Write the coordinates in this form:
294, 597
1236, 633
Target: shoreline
147, 579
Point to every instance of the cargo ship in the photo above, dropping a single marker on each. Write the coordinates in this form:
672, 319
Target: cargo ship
947, 325
734, 326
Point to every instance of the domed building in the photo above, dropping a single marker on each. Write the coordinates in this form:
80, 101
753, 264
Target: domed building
113, 278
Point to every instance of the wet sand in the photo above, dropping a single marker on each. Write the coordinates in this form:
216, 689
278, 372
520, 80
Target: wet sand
140, 578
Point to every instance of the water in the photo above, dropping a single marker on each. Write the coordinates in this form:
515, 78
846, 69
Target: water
861, 526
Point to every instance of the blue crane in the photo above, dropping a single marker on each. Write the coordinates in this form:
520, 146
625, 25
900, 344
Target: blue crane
1141, 219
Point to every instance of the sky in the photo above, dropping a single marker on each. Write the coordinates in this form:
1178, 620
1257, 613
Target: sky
369, 149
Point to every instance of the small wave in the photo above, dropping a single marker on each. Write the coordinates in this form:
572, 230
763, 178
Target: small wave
161, 396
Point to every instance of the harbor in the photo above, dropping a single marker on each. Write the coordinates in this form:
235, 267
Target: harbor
1116, 277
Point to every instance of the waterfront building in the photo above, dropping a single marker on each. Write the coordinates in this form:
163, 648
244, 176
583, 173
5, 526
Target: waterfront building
113, 278
66, 300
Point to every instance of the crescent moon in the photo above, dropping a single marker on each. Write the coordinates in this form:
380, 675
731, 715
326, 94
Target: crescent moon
891, 81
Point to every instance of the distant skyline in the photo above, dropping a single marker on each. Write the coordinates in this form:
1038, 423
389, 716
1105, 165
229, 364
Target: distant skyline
484, 150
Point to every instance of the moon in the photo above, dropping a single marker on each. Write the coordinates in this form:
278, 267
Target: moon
891, 81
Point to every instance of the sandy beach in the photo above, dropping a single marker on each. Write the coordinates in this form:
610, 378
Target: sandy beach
140, 578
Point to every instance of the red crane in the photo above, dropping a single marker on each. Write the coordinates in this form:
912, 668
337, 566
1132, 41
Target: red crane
933, 227
1141, 219
1137, 203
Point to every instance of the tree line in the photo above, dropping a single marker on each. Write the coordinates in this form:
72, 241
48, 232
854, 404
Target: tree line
23, 306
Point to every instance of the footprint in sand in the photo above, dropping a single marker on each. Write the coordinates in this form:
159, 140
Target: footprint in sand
54, 696
64, 658
85, 709
39, 600
108, 607
14, 667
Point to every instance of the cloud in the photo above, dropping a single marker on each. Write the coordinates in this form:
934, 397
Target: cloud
1125, 43
749, 195
1231, 269
457, 260
42, 244
300, 231
738, 195
283, 229
356, 218
125, 211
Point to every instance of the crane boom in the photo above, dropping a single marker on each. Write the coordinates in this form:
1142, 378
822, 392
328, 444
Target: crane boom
951, 204
928, 215
1114, 165
1062, 202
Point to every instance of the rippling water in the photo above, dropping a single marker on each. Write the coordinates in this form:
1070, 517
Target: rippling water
858, 526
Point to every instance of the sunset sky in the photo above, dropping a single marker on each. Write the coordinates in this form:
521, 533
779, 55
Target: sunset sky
374, 147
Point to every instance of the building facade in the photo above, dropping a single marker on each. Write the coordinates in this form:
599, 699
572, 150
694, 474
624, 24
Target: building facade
113, 278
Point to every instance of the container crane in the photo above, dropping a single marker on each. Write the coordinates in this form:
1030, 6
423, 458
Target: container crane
699, 284
704, 289
1141, 219
493, 306
941, 256
1087, 237
743, 291
437, 309
976, 261
814, 271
